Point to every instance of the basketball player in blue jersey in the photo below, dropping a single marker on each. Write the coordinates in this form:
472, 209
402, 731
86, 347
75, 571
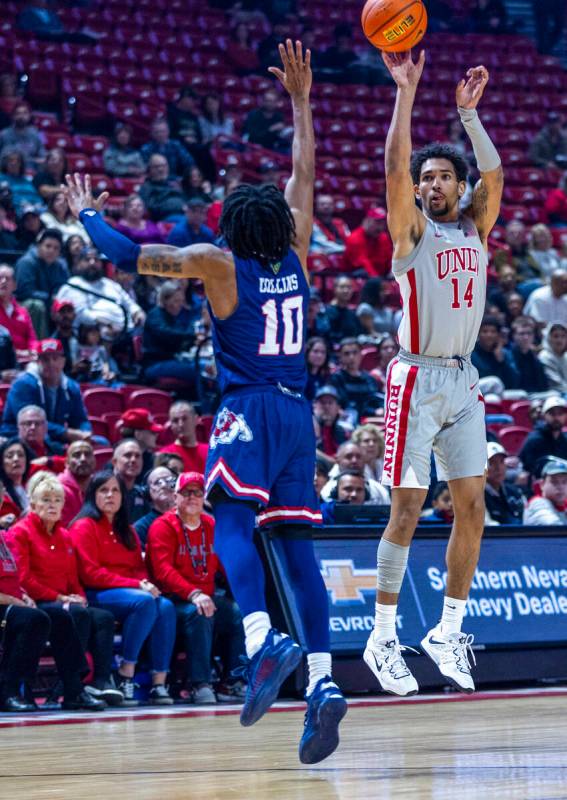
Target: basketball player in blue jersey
433, 401
262, 444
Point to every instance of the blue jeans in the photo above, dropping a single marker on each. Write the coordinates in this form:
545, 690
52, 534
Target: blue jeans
142, 616
198, 632
182, 370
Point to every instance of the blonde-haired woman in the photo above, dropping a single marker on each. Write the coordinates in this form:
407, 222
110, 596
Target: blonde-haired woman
48, 573
371, 441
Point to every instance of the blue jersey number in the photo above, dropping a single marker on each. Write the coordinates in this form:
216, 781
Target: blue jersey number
291, 313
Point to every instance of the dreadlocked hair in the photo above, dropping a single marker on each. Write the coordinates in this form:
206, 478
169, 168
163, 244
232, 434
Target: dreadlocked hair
257, 223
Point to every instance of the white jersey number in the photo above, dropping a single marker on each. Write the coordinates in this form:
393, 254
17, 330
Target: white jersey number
292, 329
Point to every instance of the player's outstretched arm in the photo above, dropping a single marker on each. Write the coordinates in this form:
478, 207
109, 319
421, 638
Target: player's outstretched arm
487, 194
405, 221
196, 261
296, 78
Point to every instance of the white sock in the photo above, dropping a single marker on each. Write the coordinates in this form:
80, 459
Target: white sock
256, 627
319, 667
453, 613
385, 621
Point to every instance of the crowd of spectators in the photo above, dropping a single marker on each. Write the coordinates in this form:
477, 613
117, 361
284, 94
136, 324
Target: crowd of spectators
133, 544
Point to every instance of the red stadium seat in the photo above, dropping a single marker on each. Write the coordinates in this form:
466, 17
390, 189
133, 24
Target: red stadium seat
102, 456
204, 426
370, 358
155, 401
513, 438
520, 411
99, 402
99, 426
493, 408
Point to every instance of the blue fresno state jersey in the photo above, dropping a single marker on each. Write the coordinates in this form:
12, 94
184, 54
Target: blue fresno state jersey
262, 342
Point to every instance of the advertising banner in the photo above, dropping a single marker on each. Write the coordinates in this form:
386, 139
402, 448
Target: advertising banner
518, 595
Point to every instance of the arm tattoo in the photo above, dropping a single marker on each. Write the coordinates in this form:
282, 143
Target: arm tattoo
480, 201
161, 260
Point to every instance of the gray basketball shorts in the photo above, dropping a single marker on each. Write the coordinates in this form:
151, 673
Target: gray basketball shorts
432, 404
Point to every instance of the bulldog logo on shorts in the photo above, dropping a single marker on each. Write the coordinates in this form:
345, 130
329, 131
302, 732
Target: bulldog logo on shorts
229, 426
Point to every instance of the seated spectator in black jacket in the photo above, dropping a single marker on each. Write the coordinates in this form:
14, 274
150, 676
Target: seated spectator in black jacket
504, 501
317, 318
331, 430
490, 357
127, 463
351, 488
265, 125
357, 389
192, 230
530, 369
342, 320
40, 273
169, 331
549, 147
268, 52
548, 439
162, 196
160, 487
52, 174
63, 316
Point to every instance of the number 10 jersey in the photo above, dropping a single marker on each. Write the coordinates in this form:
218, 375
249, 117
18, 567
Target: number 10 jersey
262, 342
443, 288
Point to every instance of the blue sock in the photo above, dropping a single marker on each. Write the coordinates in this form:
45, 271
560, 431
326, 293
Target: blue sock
234, 545
310, 593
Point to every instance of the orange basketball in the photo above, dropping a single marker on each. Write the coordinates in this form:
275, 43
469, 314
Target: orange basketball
394, 25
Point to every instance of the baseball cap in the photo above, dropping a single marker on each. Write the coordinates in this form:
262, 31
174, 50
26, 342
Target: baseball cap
553, 402
555, 466
189, 477
140, 419
196, 202
376, 213
325, 391
57, 305
49, 346
495, 449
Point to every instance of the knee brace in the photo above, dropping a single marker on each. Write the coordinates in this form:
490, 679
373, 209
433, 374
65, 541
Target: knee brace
392, 561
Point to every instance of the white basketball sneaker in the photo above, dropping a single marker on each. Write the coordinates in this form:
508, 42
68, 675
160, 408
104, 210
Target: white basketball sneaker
450, 651
384, 658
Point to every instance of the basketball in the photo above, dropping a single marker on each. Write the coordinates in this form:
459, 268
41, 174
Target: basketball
394, 25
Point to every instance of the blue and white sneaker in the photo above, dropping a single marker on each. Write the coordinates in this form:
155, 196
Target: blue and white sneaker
326, 707
265, 672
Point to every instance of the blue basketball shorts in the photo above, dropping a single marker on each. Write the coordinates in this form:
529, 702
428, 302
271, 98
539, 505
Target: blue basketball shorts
262, 449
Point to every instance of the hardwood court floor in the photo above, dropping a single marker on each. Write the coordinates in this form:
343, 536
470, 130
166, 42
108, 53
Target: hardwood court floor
493, 746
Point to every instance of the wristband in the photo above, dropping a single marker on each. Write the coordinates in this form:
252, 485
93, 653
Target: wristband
118, 248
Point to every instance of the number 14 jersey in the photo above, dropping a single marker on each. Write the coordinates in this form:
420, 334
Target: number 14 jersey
262, 342
443, 288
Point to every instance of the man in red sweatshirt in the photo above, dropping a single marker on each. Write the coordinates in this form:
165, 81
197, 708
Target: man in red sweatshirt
369, 246
183, 564
183, 423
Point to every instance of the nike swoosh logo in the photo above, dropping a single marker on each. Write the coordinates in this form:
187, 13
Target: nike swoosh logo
436, 641
378, 664
473, 386
452, 607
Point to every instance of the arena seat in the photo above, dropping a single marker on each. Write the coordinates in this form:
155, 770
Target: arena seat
520, 410
156, 401
513, 438
100, 427
204, 427
99, 402
102, 456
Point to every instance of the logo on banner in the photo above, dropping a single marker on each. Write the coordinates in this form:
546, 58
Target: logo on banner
345, 583
229, 427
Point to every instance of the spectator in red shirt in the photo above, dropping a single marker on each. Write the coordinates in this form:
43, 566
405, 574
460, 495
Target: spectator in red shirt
555, 204
32, 431
80, 465
369, 246
15, 318
112, 570
183, 423
15, 463
183, 564
329, 232
48, 573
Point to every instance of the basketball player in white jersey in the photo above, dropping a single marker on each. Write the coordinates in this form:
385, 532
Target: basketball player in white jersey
433, 400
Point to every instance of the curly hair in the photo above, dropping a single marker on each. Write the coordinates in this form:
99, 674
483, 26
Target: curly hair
438, 150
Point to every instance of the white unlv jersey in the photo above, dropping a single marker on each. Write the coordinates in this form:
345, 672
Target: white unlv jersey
443, 287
